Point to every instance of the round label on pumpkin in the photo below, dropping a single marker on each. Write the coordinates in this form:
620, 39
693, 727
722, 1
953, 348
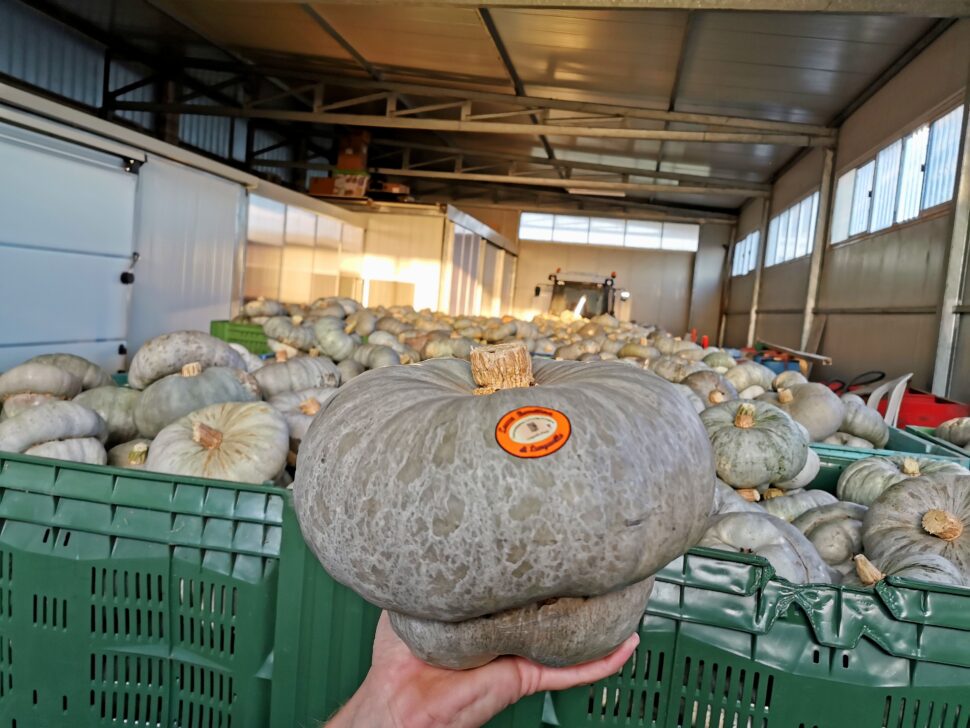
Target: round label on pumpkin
532, 432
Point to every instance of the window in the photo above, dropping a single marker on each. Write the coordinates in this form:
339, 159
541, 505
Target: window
580, 230
746, 254
910, 175
941, 159
791, 233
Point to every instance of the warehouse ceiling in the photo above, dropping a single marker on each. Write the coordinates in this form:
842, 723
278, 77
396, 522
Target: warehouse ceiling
663, 109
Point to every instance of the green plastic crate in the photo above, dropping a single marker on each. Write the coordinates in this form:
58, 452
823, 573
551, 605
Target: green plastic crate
136, 598
121, 379
724, 644
249, 335
834, 459
899, 442
926, 433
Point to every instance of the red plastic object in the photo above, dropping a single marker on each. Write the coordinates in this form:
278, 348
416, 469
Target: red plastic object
704, 341
925, 409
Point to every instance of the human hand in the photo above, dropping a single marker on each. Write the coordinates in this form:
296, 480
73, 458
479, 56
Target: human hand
401, 691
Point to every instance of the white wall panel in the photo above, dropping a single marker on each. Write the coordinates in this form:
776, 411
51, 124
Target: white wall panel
186, 274
404, 249
65, 238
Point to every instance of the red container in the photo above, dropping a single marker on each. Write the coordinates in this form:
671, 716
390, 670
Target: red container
925, 409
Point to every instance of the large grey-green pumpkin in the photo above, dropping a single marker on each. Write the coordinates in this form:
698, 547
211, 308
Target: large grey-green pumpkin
116, 406
90, 374
17, 403
251, 361
805, 476
792, 556
304, 372
814, 405
38, 378
244, 442
131, 454
168, 353
406, 495
917, 566
675, 369
332, 340
719, 361
299, 408
790, 506
922, 515
262, 307
174, 396
727, 500
862, 421
375, 356
87, 450
846, 440
711, 387
865, 480
56, 420
754, 443
349, 369
290, 332
956, 431
788, 378
749, 374
835, 530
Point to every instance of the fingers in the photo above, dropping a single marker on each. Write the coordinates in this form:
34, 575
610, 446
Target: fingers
562, 678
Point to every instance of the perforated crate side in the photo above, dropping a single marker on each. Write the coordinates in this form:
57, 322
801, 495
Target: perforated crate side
134, 599
249, 335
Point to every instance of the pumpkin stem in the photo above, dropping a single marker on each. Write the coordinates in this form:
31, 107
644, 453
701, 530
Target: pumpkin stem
297, 320
138, 454
749, 494
192, 369
349, 328
501, 366
314, 352
772, 493
310, 406
785, 396
744, 418
716, 396
867, 571
910, 467
208, 437
942, 524
282, 356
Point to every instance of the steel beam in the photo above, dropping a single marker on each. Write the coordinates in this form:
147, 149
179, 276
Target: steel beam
956, 268
884, 7
759, 270
482, 127
826, 193
568, 164
536, 102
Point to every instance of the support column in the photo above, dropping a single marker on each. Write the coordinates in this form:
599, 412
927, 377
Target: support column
762, 246
726, 284
956, 262
826, 191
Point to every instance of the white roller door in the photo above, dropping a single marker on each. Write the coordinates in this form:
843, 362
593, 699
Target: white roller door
66, 226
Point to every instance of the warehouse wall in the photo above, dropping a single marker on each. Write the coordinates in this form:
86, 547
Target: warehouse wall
706, 285
659, 281
504, 222
190, 263
901, 269
402, 259
737, 315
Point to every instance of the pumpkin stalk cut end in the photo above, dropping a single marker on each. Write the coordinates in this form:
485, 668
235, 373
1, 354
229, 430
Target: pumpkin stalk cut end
716, 396
744, 418
310, 406
772, 493
314, 352
867, 571
297, 320
501, 366
942, 524
282, 356
208, 437
138, 454
749, 494
193, 369
910, 467
785, 396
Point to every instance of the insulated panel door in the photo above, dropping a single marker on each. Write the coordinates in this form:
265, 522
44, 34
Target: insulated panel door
66, 225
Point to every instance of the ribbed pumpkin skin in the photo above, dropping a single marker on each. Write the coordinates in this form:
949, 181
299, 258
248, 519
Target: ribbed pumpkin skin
38, 378
255, 441
893, 525
90, 374
792, 556
628, 491
773, 450
928, 567
790, 507
863, 421
867, 479
54, 421
283, 329
956, 431
168, 353
711, 387
748, 374
303, 372
175, 396
87, 450
816, 407
835, 530
675, 369
116, 406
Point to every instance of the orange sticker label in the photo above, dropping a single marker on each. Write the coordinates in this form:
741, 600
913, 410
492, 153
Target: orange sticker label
532, 432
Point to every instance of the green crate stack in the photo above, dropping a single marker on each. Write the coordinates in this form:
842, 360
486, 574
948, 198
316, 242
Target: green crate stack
249, 335
900, 441
928, 434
